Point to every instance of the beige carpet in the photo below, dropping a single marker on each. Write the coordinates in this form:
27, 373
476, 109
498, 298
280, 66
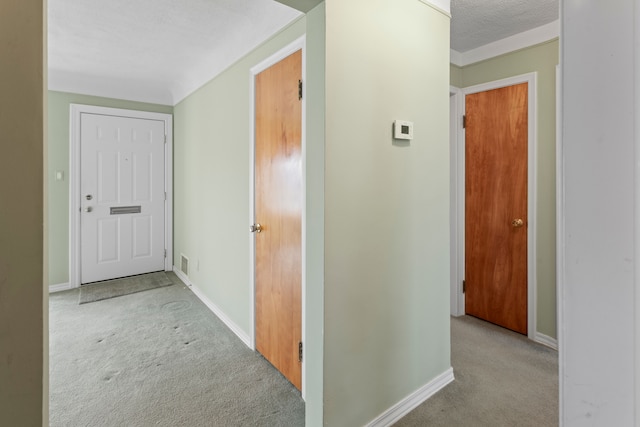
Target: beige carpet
162, 358
118, 287
158, 358
501, 379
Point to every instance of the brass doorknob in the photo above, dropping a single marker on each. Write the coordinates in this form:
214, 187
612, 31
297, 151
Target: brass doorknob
255, 228
517, 223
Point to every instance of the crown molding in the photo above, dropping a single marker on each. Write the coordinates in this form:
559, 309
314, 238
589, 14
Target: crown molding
455, 57
443, 6
510, 44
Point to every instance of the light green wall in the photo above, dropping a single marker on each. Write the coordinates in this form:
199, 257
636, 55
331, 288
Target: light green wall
386, 206
542, 59
389, 287
211, 182
314, 181
455, 76
211, 188
58, 199
22, 321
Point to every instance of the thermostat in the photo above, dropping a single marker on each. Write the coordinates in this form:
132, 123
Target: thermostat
402, 129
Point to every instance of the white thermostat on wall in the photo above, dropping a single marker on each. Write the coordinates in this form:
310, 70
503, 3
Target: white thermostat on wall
402, 129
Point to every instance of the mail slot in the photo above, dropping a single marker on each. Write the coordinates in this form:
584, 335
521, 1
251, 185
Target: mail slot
121, 210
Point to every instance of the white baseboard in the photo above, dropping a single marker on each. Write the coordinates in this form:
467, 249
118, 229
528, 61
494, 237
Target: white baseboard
546, 340
60, 287
182, 276
409, 403
214, 308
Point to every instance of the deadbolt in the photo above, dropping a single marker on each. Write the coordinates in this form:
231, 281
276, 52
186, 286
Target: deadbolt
255, 228
89, 197
517, 223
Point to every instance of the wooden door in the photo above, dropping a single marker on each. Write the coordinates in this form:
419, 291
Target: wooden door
278, 210
122, 175
496, 158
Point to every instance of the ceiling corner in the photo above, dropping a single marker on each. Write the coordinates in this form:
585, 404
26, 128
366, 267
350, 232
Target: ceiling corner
305, 5
442, 5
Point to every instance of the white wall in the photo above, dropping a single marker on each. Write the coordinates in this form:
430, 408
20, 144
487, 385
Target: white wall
598, 287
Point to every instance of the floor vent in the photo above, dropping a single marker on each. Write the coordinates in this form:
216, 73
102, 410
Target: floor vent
184, 264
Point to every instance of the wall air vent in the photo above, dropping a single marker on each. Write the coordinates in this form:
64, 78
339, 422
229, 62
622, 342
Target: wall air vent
184, 264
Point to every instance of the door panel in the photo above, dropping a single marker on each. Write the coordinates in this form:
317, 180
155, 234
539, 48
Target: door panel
108, 166
108, 240
278, 208
496, 159
142, 236
142, 170
121, 165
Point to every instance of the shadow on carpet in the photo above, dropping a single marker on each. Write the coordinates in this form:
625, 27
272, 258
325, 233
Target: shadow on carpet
118, 287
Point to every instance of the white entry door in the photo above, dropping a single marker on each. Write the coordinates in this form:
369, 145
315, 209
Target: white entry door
122, 221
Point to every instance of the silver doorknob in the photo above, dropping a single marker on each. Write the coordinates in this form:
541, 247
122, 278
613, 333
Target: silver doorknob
255, 228
88, 209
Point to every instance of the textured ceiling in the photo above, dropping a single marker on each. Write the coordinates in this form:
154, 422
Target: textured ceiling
476, 23
159, 50
162, 50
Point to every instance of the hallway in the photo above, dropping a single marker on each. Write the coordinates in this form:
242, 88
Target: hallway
501, 379
162, 358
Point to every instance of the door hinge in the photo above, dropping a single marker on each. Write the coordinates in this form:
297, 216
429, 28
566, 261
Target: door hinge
299, 89
165, 253
300, 351
464, 286
165, 138
165, 195
464, 121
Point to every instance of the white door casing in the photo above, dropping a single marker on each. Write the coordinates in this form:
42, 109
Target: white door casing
457, 212
120, 173
456, 152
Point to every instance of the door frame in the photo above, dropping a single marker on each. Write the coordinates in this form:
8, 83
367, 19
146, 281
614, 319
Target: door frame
458, 195
75, 112
298, 44
457, 161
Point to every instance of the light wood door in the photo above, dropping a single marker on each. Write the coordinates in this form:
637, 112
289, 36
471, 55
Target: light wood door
496, 154
278, 209
123, 196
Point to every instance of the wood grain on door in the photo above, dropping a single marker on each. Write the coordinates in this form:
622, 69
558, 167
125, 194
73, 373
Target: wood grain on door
278, 209
496, 159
